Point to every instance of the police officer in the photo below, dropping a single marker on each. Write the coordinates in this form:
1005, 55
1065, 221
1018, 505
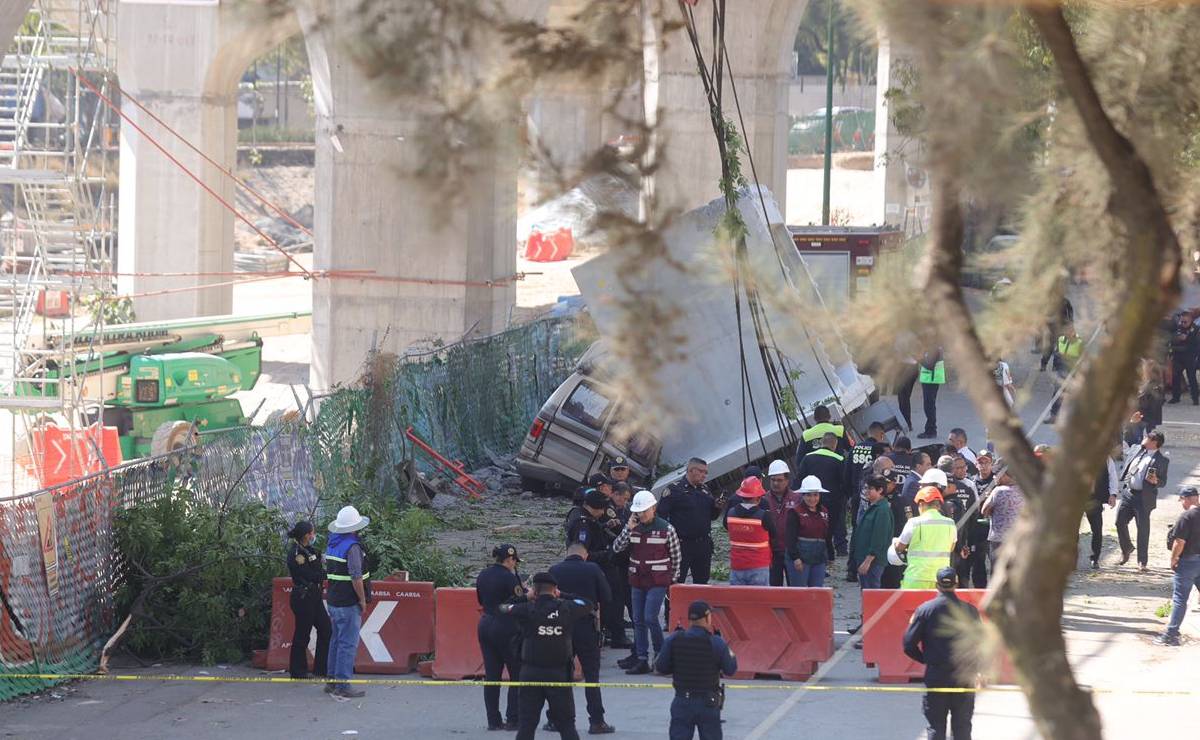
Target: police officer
499, 637
929, 639
596, 529
307, 602
810, 439
696, 659
618, 470
547, 623
691, 510
578, 578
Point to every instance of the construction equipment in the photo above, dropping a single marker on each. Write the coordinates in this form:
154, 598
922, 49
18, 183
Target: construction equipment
159, 382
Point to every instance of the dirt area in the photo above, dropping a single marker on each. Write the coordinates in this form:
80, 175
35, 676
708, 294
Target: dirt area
288, 187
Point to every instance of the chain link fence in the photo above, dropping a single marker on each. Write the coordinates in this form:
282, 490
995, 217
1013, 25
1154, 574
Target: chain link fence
59, 567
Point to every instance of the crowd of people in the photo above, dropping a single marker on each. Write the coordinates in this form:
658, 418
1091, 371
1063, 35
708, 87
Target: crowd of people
935, 517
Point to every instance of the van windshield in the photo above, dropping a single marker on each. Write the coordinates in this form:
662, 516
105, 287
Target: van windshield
588, 406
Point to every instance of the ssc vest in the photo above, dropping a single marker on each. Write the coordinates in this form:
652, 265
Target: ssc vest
749, 543
694, 665
547, 636
929, 550
650, 557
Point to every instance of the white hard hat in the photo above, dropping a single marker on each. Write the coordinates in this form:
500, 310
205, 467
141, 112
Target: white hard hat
642, 501
895, 558
811, 483
779, 467
934, 477
348, 520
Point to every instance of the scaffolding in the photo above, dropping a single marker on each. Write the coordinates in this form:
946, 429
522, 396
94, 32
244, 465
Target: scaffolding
58, 168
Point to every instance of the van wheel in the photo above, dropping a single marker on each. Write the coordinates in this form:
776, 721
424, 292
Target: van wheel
532, 485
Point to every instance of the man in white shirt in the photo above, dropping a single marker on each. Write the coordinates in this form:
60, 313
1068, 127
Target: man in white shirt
957, 442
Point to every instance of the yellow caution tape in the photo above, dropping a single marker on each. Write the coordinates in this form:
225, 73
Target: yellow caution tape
764, 686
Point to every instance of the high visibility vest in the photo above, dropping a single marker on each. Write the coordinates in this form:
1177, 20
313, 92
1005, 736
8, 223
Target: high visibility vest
341, 591
816, 431
936, 376
749, 543
828, 453
1070, 350
929, 550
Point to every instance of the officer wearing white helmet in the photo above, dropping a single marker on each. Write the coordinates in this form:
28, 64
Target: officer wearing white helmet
781, 499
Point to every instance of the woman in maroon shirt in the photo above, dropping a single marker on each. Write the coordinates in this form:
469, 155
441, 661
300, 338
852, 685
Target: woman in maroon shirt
807, 526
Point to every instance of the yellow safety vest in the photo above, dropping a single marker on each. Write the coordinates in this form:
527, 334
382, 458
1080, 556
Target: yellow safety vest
816, 431
1070, 350
929, 550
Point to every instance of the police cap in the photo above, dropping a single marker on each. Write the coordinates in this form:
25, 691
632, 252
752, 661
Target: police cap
1188, 491
545, 578
595, 499
618, 462
947, 578
504, 552
599, 479
698, 610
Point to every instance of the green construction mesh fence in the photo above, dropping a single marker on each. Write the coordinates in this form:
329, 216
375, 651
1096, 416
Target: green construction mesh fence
60, 569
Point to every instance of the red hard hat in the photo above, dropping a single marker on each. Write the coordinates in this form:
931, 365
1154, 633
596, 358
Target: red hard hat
751, 488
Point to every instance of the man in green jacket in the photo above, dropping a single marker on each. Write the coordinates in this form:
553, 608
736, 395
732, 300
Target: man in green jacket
873, 535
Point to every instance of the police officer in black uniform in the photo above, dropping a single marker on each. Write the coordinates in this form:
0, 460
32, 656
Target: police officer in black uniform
696, 659
691, 510
930, 640
499, 638
597, 529
547, 624
578, 578
307, 601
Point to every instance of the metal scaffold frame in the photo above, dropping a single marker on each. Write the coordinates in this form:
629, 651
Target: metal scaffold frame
58, 168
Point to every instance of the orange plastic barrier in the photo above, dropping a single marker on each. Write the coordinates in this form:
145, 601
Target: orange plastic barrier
780, 632
883, 643
455, 641
551, 247
397, 627
56, 455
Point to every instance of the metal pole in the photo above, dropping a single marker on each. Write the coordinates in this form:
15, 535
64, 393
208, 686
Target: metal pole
828, 118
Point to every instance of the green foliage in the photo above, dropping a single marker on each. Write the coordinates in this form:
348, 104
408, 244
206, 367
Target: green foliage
201, 580
1163, 611
113, 309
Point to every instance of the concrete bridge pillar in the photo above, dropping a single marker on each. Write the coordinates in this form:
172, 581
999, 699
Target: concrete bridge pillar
759, 38
899, 159
183, 63
442, 260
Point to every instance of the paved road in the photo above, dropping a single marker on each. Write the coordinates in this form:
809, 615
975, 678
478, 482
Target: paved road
1109, 618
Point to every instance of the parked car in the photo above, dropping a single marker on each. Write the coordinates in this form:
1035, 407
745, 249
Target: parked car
853, 130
